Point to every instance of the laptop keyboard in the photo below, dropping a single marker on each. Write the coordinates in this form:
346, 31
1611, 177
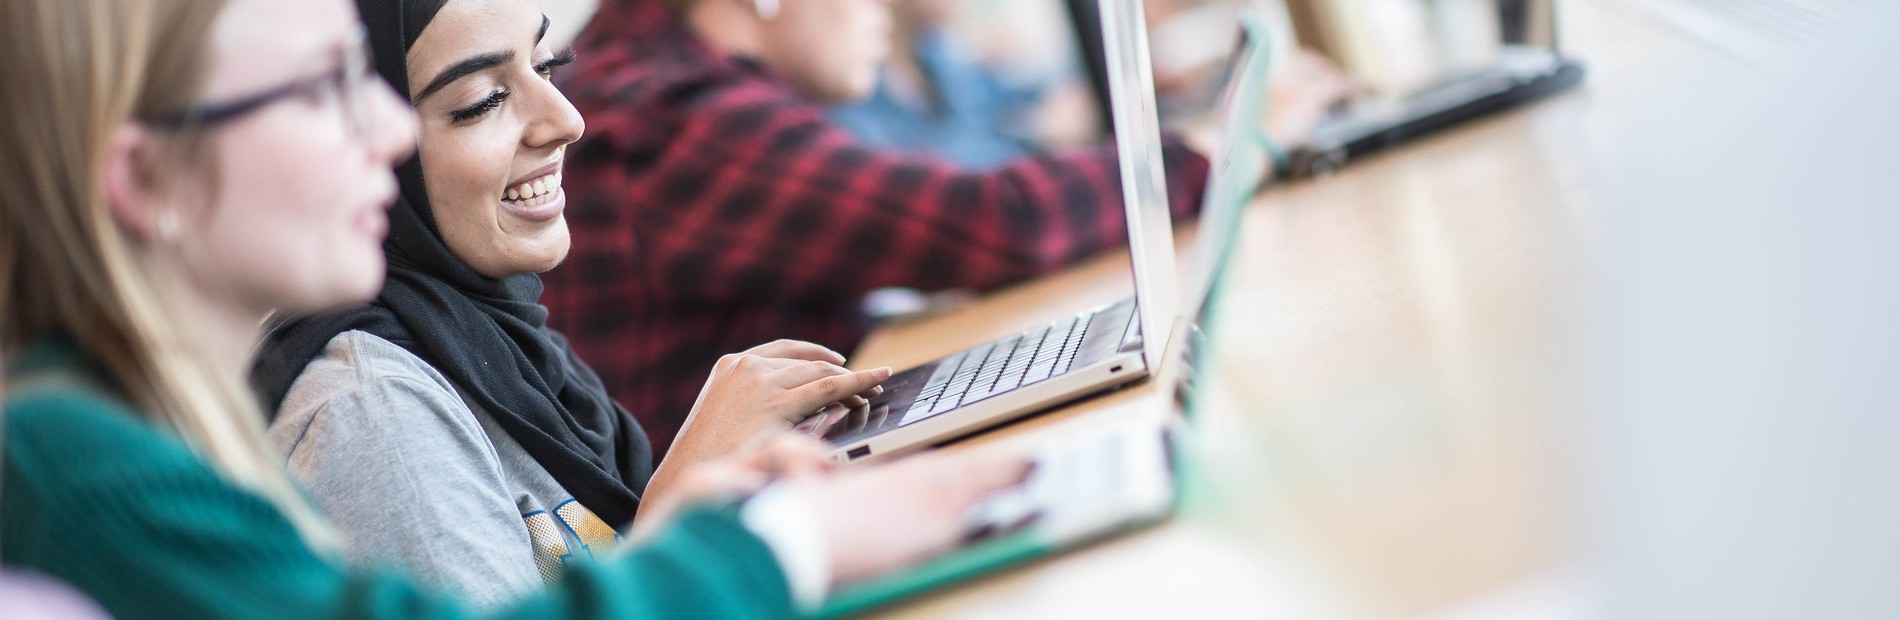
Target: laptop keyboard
1000, 366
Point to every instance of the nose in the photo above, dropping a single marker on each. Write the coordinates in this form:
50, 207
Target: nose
553, 121
392, 126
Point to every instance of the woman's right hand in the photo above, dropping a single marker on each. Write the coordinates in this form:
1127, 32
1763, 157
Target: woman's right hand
766, 388
737, 474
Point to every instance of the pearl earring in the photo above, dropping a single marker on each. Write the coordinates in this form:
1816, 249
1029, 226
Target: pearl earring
767, 9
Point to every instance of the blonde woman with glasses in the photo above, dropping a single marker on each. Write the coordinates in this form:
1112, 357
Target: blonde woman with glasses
176, 171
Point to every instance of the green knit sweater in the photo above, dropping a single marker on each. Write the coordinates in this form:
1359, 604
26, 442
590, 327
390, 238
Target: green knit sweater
121, 509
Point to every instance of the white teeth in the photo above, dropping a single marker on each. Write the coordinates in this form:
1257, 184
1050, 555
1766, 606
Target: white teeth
534, 189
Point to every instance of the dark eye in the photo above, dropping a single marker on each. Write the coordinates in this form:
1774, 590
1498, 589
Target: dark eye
486, 105
546, 67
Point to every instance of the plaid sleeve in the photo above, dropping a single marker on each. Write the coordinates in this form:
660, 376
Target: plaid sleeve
772, 203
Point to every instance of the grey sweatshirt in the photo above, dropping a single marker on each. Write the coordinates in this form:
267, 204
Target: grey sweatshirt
416, 476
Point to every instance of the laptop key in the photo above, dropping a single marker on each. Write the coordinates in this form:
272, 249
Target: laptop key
956, 387
990, 369
1058, 335
945, 404
974, 357
969, 365
1022, 354
941, 376
998, 367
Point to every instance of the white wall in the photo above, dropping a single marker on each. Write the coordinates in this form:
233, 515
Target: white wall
568, 17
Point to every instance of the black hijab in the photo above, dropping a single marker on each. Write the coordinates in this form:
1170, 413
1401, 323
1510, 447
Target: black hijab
489, 337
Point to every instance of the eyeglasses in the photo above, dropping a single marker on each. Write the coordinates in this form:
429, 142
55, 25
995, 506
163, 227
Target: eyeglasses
345, 83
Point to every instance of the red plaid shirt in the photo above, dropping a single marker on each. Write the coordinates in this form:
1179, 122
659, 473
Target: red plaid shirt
713, 209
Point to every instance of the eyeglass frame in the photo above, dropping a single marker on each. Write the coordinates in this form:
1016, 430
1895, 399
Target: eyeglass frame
347, 81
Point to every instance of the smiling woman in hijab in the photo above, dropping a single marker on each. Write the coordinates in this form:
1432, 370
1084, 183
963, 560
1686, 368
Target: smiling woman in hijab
444, 426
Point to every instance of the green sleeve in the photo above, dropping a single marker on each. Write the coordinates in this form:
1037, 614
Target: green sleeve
130, 516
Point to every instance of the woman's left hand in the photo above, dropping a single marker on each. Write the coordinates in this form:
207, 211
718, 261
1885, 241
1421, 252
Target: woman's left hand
740, 473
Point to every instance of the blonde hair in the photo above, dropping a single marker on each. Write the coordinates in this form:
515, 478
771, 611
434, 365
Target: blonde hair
75, 71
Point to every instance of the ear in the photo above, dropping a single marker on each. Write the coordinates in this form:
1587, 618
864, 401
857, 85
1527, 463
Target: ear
130, 184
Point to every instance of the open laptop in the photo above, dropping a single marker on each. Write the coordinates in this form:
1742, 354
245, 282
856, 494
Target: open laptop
1075, 356
1099, 481
1518, 61
1527, 65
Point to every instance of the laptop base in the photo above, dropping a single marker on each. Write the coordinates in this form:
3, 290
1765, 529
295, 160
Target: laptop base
1474, 97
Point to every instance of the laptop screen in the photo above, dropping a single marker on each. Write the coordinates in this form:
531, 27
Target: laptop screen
1144, 183
1237, 169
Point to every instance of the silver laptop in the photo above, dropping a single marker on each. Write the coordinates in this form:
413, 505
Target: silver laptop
1099, 481
1075, 356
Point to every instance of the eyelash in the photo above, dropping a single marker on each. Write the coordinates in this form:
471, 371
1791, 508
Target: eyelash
486, 105
494, 99
546, 68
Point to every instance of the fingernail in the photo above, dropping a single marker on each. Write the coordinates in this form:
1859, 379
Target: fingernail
883, 373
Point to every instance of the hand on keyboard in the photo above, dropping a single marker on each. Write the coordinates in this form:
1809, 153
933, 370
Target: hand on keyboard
767, 388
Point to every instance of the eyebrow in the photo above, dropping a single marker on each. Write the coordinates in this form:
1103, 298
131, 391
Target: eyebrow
475, 64
464, 69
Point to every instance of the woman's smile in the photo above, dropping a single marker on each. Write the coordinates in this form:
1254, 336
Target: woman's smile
546, 203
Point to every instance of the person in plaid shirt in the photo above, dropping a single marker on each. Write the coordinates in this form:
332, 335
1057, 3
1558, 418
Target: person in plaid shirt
713, 207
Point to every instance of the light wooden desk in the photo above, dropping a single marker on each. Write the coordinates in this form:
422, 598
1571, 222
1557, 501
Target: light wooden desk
1382, 431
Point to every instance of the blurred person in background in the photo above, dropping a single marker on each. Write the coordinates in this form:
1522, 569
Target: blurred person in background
181, 169
981, 86
715, 206
935, 96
